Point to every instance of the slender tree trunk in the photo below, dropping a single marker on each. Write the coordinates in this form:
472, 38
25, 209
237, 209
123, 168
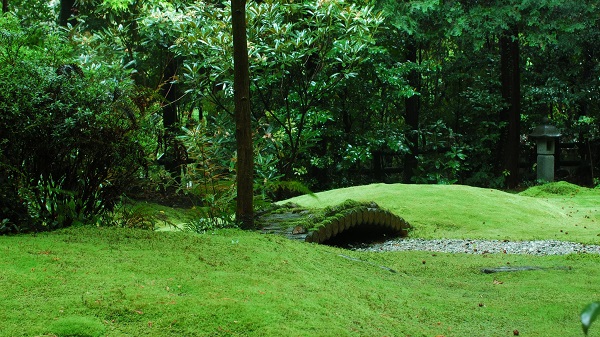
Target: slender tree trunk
4, 6
170, 92
243, 130
412, 115
587, 64
175, 153
511, 115
65, 16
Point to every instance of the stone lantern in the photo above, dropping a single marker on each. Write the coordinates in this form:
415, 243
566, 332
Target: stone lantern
546, 136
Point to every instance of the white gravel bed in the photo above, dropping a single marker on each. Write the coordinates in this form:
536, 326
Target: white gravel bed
542, 247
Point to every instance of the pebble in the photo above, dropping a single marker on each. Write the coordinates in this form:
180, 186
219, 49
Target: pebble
541, 247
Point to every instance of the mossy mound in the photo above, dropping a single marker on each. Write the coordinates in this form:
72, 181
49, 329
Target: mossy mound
320, 225
465, 212
560, 188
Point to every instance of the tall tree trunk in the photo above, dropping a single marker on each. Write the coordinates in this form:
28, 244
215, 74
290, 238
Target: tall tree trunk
511, 115
412, 115
67, 8
175, 152
587, 160
170, 93
243, 130
4, 6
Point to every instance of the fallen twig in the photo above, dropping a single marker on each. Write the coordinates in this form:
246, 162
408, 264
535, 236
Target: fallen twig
367, 262
492, 270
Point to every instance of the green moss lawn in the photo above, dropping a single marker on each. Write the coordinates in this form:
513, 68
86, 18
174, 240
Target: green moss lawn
127, 282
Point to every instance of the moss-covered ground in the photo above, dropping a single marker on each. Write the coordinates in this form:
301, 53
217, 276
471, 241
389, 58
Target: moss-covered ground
92, 281
558, 211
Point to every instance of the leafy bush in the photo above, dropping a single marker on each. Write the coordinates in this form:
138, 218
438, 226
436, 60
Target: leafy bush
443, 156
210, 175
131, 215
302, 56
69, 135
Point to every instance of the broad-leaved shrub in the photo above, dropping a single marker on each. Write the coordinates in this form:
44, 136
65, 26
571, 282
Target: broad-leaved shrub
69, 135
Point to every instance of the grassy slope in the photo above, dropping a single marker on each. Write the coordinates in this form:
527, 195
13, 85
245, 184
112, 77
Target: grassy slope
441, 211
139, 283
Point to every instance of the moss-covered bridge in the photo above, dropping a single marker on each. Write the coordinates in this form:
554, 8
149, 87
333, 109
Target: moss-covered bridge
323, 225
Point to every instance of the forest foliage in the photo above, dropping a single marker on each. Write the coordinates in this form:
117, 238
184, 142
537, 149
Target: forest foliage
120, 94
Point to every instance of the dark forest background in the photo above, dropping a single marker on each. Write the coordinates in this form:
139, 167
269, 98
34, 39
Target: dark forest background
101, 99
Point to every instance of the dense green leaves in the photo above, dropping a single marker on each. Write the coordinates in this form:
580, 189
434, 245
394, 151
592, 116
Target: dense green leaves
70, 136
300, 54
331, 81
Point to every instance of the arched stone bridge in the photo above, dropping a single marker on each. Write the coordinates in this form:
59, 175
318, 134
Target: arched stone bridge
319, 226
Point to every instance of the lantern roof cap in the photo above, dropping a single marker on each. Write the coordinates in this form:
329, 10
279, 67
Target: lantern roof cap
545, 130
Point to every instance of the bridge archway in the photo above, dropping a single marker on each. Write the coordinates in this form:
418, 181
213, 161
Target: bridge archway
348, 217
